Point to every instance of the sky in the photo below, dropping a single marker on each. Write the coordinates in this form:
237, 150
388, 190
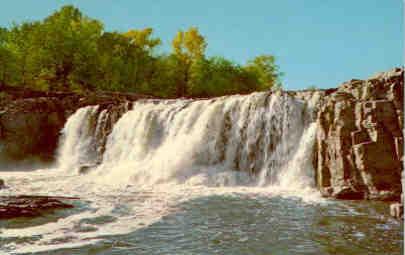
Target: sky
318, 43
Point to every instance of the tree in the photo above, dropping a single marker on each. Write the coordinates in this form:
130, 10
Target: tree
189, 45
111, 48
71, 45
138, 57
70, 51
266, 71
142, 39
5, 57
218, 76
21, 44
188, 48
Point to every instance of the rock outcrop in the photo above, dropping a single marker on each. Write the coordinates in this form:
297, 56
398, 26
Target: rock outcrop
30, 121
30, 206
360, 139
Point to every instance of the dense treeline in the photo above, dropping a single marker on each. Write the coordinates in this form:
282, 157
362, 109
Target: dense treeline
71, 52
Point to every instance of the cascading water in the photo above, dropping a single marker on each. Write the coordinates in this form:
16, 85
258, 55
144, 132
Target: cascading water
224, 141
84, 136
78, 139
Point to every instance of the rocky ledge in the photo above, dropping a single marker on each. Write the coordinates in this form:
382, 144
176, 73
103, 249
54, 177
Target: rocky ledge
360, 139
30, 206
31, 121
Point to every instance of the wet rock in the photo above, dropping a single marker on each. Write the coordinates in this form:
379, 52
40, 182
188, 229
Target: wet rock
349, 193
384, 195
86, 169
30, 122
30, 206
360, 139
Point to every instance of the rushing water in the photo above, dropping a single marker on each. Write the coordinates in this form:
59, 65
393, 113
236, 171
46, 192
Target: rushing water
231, 175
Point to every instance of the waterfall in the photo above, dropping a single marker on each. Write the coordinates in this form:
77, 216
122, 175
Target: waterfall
258, 139
85, 134
78, 139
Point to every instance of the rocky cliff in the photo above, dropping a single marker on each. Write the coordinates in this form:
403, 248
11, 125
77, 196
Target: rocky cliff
360, 139
30, 121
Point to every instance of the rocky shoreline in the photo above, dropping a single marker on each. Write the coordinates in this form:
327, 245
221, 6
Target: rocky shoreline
358, 152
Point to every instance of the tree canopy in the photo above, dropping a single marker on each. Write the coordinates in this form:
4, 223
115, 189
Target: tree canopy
68, 51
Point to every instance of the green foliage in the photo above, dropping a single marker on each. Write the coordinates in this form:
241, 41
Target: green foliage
6, 57
265, 70
217, 76
70, 51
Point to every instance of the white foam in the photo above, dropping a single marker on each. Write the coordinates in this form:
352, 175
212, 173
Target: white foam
77, 139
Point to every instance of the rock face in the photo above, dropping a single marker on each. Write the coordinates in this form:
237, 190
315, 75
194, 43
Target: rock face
30, 127
360, 139
29, 206
30, 121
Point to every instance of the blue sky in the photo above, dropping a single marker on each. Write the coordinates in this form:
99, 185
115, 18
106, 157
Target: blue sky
316, 42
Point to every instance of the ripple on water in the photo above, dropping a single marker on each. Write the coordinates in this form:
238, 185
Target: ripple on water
214, 221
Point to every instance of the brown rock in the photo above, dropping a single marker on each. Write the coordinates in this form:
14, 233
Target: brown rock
360, 139
348, 193
30, 123
30, 206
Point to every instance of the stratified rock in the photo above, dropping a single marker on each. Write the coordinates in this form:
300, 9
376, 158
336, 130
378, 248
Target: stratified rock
360, 139
29, 206
2, 184
30, 122
30, 127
